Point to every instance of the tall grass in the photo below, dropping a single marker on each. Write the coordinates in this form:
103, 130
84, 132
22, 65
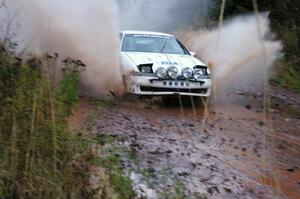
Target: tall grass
39, 157
287, 76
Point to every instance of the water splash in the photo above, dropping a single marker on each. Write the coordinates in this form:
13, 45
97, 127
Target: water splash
236, 52
86, 30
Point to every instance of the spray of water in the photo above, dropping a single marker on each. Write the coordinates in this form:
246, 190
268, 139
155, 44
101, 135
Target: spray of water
237, 52
86, 30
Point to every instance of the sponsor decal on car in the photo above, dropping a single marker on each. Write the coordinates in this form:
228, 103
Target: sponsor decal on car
169, 63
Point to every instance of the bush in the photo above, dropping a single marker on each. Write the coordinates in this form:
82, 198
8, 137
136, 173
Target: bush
287, 76
39, 157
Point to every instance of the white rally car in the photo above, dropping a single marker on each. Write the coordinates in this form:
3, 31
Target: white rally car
158, 64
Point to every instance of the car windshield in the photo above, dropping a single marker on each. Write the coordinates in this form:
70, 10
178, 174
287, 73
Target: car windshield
153, 44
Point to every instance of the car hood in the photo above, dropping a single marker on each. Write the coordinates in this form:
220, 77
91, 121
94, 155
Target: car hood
163, 60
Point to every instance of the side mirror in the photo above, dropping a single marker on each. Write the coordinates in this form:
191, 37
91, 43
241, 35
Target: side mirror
194, 54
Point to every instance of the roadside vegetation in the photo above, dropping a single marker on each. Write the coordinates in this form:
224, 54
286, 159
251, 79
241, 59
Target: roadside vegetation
39, 157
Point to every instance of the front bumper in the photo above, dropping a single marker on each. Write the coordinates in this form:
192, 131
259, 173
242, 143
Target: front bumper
144, 85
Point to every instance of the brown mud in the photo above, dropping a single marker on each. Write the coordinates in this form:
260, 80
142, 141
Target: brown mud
230, 152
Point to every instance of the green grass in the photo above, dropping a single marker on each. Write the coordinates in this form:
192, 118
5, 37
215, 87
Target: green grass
110, 160
179, 193
289, 78
121, 183
179, 189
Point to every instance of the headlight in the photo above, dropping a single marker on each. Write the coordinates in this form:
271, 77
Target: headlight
187, 73
161, 72
172, 72
199, 73
145, 68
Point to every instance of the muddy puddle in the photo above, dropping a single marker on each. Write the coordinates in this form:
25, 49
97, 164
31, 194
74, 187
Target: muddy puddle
226, 152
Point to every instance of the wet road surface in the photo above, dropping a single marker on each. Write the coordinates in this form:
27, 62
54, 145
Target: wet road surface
229, 151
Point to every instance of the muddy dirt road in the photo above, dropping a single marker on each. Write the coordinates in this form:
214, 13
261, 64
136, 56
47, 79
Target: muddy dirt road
229, 152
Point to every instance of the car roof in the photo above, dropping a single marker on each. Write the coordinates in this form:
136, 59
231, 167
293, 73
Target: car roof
145, 33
